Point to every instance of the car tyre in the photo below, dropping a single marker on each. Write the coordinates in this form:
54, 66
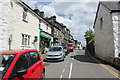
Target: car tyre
62, 59
43, 76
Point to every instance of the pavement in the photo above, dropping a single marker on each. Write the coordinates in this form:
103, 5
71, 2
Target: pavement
80, 65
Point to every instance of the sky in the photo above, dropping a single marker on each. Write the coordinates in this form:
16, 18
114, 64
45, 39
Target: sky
77, 15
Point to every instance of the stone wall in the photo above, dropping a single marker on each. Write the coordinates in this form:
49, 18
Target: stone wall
4, 5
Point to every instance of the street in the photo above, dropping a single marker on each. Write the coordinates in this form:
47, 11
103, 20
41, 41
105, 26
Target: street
77, 64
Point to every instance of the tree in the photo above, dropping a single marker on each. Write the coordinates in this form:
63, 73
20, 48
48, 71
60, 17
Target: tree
89, 36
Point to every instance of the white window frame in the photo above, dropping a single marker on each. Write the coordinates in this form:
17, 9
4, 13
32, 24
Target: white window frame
25, 40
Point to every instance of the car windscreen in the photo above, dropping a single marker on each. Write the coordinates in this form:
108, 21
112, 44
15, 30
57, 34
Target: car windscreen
6, 60
55, 49
69, 45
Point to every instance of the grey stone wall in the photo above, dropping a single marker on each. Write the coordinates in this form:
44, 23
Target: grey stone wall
104, 40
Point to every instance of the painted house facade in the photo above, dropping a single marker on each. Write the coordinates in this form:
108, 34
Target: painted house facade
106, 27
4, 7
25, 28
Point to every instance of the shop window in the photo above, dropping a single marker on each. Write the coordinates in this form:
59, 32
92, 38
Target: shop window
25, 40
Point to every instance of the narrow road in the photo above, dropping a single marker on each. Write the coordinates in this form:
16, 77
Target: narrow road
77, 64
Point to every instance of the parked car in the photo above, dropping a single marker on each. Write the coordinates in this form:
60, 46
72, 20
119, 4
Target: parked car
55, 53
65, 49
21, 64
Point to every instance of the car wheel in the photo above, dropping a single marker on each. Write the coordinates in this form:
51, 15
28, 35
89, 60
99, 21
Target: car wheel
63, 59
44, 60
43, 76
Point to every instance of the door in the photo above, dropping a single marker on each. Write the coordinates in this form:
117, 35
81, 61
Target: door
23, 63
36, 64
31, 62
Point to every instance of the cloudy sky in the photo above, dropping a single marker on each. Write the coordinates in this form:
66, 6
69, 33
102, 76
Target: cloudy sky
77, 15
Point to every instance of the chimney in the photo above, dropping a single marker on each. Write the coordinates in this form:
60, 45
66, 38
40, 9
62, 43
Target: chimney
53, 18
36, 10
42, 14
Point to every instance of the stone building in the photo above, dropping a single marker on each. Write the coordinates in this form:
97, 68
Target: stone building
107, 30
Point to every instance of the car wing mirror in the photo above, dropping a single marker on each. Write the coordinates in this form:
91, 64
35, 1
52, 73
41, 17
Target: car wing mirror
21, 72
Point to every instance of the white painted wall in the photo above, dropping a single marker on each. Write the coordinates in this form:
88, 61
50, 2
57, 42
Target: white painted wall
116, 31
17, 26
4, 8
44, 27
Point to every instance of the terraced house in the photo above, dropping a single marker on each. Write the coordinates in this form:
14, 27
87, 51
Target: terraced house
25, 28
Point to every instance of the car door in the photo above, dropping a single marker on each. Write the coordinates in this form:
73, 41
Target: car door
23, 63
36, 64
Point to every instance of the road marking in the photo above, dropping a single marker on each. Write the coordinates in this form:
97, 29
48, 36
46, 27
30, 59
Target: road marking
107, 68
63, 70
61, 77
70, 72
72, 58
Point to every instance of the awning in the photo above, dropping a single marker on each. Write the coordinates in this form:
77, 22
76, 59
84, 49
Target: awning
45, 35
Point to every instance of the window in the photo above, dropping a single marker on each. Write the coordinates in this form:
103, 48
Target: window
6, 60
25, 40
101, 23
34, 57
47, 27
11, 3
39, 23
22, 63
25, 15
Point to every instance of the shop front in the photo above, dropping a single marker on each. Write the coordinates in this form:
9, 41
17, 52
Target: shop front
45, 40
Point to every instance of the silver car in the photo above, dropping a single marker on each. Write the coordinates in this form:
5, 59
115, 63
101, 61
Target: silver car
55, 53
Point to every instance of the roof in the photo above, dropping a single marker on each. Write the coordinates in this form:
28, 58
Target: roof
30, 9
111, 5
16, 51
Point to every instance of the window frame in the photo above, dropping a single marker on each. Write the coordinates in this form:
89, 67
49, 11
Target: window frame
25, 40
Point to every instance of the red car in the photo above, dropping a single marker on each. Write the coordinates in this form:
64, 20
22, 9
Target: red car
21, 64
70, 47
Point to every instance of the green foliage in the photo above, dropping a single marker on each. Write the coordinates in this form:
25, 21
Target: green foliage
89, 35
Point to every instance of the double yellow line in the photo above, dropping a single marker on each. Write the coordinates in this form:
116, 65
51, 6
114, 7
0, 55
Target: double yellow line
107, 68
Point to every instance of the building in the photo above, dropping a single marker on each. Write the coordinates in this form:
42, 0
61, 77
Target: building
25, 29
107, 31
61, 34
4, 24
46, 38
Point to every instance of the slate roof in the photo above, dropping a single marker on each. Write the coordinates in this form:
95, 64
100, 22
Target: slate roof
111, 5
